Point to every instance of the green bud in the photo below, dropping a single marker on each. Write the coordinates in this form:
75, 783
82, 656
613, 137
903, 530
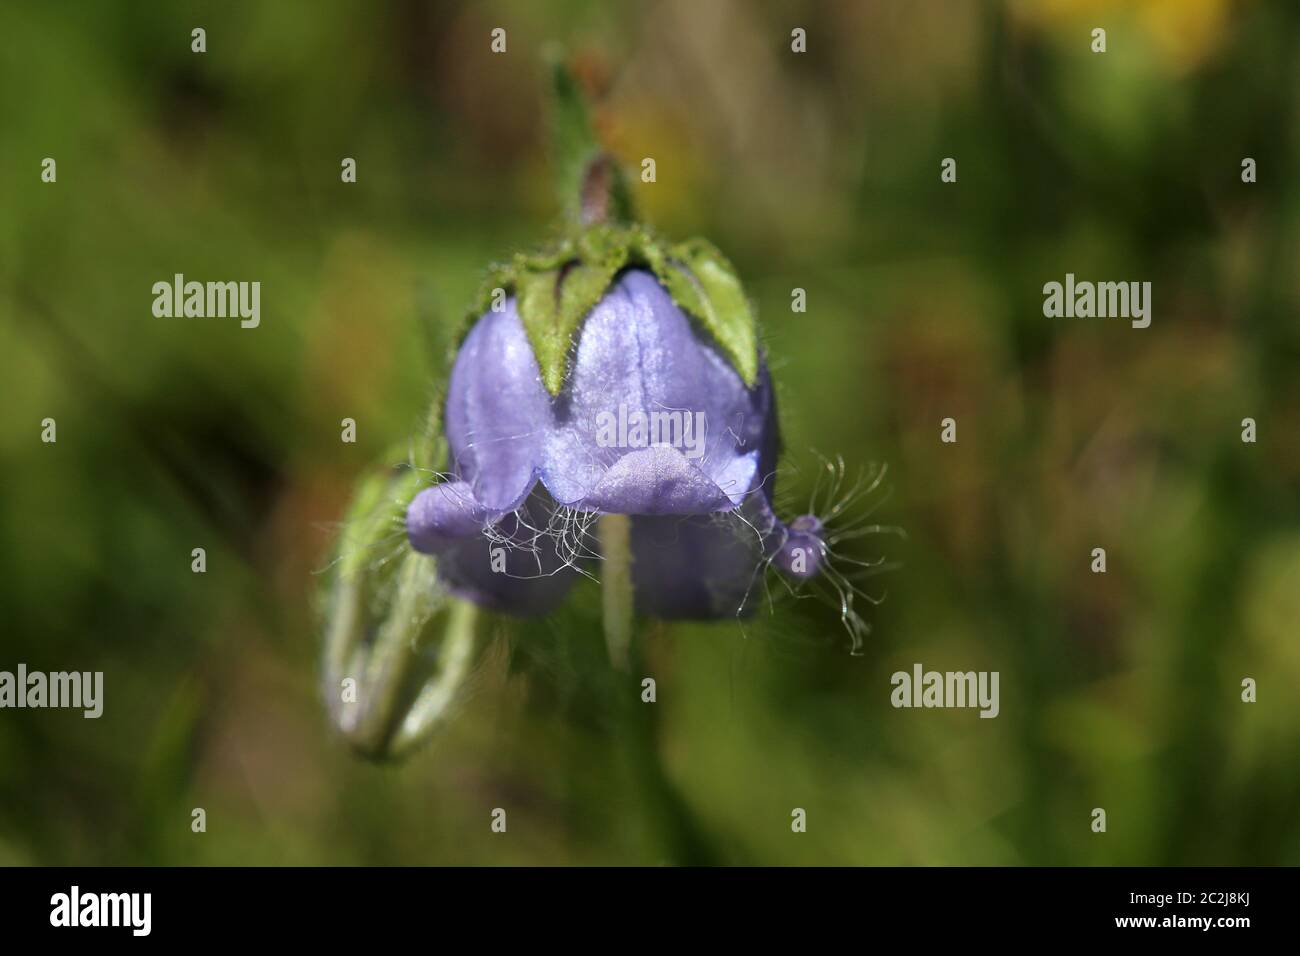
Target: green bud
397, 648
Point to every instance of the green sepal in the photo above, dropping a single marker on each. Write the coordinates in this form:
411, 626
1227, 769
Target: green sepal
703, 283
557, 287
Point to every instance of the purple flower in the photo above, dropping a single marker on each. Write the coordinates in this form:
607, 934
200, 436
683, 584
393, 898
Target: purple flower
651, 421
611, 410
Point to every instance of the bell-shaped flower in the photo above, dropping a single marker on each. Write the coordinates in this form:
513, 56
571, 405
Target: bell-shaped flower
651, 420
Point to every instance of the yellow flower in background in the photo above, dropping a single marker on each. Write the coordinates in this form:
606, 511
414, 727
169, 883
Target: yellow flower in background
1183, 33
1186, 32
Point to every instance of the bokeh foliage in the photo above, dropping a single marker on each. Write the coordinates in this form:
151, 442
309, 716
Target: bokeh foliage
818, 171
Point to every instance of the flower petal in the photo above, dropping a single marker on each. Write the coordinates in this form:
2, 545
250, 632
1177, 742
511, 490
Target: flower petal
640, 359
513, 567
702, 567
656, 481
443, 516
498, 412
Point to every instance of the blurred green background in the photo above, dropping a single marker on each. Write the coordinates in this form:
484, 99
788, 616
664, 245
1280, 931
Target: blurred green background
818, 171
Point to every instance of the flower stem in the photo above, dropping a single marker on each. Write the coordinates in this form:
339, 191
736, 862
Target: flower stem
616, 587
